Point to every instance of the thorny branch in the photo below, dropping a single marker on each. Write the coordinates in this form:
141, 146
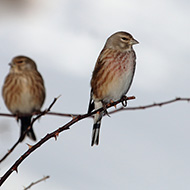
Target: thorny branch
53, 134
45, 112
150, 105
32, 122
75, 118
34, 183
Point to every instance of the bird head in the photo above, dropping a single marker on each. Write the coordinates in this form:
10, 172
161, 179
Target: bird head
22, 63
122, 41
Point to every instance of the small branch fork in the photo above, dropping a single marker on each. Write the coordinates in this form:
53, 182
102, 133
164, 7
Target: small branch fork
48, 112
151, 105
34, 183
32, 122
76, 118
54, 134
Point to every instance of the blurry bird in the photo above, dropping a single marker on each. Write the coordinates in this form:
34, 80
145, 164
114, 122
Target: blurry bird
24, 92
112, 75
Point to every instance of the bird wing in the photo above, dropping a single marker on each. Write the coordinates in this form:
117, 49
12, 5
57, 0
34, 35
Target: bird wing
97, 68
91, 103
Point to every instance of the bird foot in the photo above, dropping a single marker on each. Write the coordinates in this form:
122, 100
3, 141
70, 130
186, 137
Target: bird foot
124, 101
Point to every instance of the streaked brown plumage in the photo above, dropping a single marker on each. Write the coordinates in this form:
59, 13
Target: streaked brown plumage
112, 75
24, 92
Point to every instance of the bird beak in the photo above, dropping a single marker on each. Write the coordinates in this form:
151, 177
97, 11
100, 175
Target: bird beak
133, 42
11, 64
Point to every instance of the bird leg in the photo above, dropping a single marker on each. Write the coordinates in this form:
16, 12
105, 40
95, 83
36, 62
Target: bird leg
105, 109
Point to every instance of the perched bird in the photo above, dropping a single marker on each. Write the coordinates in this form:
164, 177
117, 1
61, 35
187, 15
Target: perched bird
112, 75
24, 92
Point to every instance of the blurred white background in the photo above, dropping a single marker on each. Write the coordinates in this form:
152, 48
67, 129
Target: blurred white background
139, 150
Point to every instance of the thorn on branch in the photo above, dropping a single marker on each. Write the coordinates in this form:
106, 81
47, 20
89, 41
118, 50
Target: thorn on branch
29, 146
56, 135
15, 169
73, 116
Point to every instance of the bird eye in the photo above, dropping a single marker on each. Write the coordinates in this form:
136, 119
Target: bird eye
123, 38
21, 61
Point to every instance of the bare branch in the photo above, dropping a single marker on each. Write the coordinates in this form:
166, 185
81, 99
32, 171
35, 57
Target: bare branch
33, 120
76, 118
62, 114
151, 105
7, 115
54, 134
117, 110
34, 183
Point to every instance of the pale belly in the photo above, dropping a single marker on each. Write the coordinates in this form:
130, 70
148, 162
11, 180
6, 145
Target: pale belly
121, 79
119, 85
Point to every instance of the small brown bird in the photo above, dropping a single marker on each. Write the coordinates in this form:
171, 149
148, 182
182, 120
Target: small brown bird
112, 75
24, 92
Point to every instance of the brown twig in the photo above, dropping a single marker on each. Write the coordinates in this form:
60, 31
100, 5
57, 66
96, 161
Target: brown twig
37, 113
151, 105
73, 121
111, 112
32, 122
7, 115
34, 183
53, 134
62, 114
47, 112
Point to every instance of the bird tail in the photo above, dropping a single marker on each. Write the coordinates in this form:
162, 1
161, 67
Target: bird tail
25, 123
96, 133
97, 123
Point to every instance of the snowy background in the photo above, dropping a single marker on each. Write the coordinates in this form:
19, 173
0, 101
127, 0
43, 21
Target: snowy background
139, 150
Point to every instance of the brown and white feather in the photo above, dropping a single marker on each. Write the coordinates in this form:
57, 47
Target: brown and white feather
112, 75
24, 92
